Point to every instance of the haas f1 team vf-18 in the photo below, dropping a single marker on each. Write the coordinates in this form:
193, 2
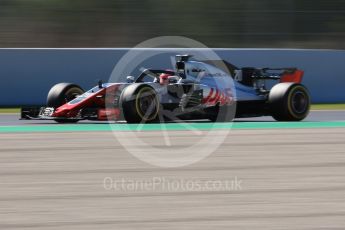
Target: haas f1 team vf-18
194, 90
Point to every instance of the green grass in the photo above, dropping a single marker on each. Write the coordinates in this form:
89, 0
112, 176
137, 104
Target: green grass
9, 110
313, 107
328, 106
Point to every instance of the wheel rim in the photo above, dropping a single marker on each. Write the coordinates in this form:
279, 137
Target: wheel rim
72, 94
147, 104
299, 102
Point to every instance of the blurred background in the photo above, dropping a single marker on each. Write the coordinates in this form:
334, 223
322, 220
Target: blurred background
217, 23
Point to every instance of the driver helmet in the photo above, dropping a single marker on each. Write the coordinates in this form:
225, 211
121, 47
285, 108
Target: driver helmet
164, 78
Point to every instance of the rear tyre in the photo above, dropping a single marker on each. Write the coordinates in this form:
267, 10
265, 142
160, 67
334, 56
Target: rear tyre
140, 104
62, 93
289, 102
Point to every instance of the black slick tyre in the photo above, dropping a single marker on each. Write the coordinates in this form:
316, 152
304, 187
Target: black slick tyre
289, 102
62, 93
140, 104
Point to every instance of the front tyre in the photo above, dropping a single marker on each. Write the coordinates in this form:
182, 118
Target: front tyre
289, 102
140, 104
62, 93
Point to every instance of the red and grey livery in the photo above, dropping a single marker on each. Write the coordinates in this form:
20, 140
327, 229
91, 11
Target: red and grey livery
215, 90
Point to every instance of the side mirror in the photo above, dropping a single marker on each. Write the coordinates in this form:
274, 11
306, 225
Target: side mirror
130, 79
174, 79
100, 84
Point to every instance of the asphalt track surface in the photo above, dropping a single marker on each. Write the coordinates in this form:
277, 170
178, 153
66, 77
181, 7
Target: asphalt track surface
329, 115
260, 177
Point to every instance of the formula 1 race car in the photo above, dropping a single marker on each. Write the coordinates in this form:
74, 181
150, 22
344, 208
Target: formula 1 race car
194, 90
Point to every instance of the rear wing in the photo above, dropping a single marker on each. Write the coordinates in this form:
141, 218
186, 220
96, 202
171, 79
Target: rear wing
282, 74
